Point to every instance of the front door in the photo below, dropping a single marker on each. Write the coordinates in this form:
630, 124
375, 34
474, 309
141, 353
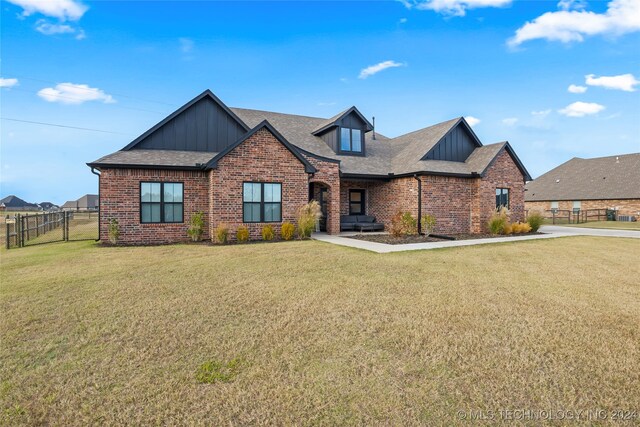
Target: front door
323, 208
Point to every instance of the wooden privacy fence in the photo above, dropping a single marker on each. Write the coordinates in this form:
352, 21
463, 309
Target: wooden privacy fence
575, 216
32, 229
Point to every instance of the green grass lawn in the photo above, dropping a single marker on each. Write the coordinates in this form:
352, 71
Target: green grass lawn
310, 333
616, 225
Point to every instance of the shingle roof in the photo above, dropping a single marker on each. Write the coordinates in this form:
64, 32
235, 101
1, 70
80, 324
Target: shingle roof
16, 202
150, 158
601, 178
384, 156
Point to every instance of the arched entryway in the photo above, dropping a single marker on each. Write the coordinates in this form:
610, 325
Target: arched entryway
329, 202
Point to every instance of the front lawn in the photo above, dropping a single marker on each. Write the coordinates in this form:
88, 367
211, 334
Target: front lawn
312, 333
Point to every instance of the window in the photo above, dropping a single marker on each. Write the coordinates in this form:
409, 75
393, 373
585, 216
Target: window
577, 205
161, 202
554, 206
261, 202
356, 202
502, 198
351, 140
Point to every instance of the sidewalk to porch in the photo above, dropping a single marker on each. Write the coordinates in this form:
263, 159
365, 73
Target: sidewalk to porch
550, 232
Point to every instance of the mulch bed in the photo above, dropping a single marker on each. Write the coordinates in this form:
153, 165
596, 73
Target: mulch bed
391, 240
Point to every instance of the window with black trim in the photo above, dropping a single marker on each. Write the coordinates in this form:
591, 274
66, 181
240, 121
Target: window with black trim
502, 198
161, 202
351, 140
356, 202
261, 202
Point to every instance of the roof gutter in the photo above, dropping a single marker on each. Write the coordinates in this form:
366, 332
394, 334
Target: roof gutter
93, 171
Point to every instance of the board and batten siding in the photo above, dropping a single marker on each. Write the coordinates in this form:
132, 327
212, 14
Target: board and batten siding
204, 126
456, 146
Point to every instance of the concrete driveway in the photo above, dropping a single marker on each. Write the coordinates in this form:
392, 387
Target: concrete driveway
579, 231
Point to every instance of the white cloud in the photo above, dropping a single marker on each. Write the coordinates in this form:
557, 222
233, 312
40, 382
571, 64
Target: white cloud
621, 17
472, 120
626, 82
186, 45
581, 109
541, 113
69, 93
453, 7
48, 28
8, 82
577, 89
374, 69
572, 4
64, 10
402, 21
510, 121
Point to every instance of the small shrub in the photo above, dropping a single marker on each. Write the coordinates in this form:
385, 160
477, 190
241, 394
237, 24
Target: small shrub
520, 227
535, 220
114, 231
509, 229
428, 223
196, 228
213, 371
499, 220
396, 225
409, 224
403, 224
307, 217
287, 230
222, 233
267, 232
242, 234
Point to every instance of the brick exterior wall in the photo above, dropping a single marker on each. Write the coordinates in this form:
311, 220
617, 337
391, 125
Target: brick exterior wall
120, 199
460, 205
503, 173
261, 158
623, 206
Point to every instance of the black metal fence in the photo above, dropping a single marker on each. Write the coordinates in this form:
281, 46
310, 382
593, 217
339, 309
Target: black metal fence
34, 229
575, 216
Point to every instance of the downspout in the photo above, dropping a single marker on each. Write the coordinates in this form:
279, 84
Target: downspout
419, 203
93, 171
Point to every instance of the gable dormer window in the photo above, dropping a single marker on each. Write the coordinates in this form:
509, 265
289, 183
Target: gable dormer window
350, 140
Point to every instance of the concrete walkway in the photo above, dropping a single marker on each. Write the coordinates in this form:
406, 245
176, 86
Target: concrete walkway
550, 233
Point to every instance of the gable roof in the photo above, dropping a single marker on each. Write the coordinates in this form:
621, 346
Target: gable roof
206, 94
335, 121
600, 178
385, 157
88, 201
16, 202
308, 167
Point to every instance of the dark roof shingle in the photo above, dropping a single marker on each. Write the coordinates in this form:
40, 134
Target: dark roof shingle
601, 178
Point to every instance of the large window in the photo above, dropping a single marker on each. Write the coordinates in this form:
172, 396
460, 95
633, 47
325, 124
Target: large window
351, 140
161, 202
356, 202
261, 202
502, 198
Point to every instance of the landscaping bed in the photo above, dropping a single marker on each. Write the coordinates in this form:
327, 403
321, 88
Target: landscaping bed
393, 240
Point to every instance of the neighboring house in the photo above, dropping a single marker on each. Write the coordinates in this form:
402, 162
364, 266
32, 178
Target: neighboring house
249, 167
16, 204
601, 183
48, 206
88, 202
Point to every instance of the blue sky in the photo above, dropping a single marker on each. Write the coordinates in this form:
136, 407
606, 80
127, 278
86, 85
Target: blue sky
508, 64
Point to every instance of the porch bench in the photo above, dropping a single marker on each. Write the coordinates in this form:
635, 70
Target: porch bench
360, 223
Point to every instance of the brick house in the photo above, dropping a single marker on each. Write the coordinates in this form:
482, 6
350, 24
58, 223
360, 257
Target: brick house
611, 182
249, 167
